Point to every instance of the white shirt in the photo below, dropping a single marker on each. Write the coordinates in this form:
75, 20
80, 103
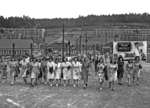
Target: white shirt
137, 52
27, 59
77, 64
23, 63
50, 64
66, 64
39, 64
58, 66
69, 58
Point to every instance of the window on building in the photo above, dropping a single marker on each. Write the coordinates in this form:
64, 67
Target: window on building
1, 52
23, 52
10, 52
4, 52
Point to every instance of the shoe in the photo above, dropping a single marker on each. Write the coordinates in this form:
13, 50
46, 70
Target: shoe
32, 85
64, 85
11, 83
100, 88
84, 87
74, 85
51, 85
45, 83
119, 83
109, 85
56, 85
113, 90
86, 84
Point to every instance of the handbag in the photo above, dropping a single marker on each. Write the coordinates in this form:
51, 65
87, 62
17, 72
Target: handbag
68, 67
51, 70
105, 73
62, 75
140, 66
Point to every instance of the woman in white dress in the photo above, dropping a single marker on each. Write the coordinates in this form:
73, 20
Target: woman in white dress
76, 71
129, 69
50, 69
35, 72
24, 70
112, 73
66, 68
58, 67
3, 69
80, 68
137, 69
13, 71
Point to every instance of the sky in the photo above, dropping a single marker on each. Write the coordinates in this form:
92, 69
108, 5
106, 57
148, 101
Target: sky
71, 8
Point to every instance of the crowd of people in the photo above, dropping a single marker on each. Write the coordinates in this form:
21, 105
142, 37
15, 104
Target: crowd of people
55, 71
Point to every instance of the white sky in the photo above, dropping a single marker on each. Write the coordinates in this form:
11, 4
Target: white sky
71, 8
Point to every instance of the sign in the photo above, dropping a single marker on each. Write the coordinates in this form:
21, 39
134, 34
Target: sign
124, 46
37, 52
106, 49
130, 49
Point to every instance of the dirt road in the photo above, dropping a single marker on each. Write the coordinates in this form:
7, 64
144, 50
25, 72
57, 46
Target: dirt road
44, 96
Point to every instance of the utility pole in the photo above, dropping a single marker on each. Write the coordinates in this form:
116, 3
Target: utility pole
80, 44
106, 37
63, 41
31, 47
13, 50
77, 46
86, 42
69, 47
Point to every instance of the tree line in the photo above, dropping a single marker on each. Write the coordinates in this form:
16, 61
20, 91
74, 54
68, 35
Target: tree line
81, 21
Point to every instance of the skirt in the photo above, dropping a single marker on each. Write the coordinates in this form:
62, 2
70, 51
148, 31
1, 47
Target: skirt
120, 73
76, 73
4, 73
13, 72
44, 72
113, 76
58, 74
136, 73
85, 74
34, 73
129, 73
50, 75
24, 73
66, 74
101, 77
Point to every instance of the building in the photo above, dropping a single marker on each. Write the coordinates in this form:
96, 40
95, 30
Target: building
19, 47
124, 34
17, 33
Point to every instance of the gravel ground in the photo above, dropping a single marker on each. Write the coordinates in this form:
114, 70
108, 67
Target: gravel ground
44, 96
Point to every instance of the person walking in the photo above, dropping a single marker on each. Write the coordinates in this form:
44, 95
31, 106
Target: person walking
44, 69
66, 69
50, 69
129, 69
120, 70
76, 71
85, 71
58, 67
101, 73
137, 69
112, 73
